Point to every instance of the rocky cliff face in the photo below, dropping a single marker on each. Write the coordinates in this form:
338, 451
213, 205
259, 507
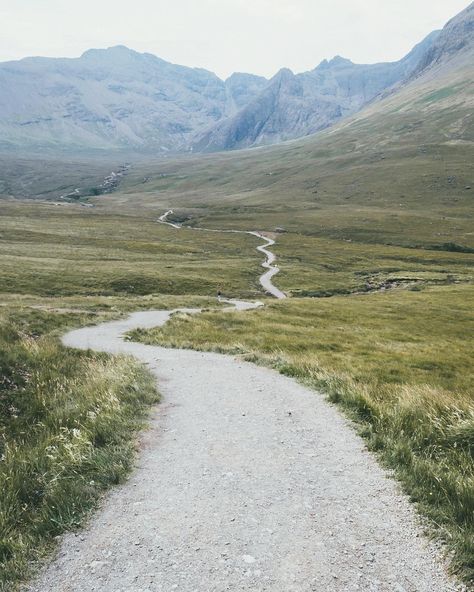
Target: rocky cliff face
455, 41
241, 89
113, 99
291, 106
118, 99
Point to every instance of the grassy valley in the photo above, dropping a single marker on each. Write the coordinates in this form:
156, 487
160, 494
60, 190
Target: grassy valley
399, 173
374, 227
68, 419
378, 214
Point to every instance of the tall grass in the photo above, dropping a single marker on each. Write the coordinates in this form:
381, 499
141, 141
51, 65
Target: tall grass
67, 425
399, 363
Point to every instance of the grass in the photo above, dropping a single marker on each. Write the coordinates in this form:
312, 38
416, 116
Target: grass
400, 364
380, 203
69, 250
42, 178
318, 267
68, 421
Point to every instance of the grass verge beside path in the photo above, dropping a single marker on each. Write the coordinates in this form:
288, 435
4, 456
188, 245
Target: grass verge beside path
318, 267
400, 363
68, 421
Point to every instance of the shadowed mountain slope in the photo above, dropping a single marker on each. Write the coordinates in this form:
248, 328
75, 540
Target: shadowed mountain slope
295, 105
118, 100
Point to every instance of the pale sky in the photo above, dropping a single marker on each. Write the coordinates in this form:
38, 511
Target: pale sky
257, 36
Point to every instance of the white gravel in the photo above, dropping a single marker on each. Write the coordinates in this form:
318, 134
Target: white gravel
270, 258
246, 480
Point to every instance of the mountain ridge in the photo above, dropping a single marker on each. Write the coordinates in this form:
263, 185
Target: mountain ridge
331, 91
120, 100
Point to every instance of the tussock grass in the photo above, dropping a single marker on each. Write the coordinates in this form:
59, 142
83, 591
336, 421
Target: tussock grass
380, 200
69, 251
68, 419
67, 432
399, 363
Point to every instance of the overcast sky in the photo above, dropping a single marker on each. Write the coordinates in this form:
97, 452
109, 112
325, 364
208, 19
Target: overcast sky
258, 36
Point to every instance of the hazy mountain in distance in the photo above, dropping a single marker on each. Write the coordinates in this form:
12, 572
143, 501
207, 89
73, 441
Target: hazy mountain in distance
295, 105
292, 105
241, 89
116, 99
455, 41
113, 98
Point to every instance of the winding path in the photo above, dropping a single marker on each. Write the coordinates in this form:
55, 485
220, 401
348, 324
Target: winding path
246, 481
266, 278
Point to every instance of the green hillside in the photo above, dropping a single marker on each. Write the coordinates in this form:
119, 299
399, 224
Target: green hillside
398, 173
376, 213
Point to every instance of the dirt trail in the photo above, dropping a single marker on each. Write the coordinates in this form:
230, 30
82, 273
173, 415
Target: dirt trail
266, 278
245, 481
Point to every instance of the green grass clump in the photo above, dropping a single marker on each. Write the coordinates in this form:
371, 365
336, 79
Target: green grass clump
67, 432
439, 95
68, 251
399, 363
68, 419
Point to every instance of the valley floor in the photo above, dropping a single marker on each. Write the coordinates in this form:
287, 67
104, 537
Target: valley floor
246, 481
396, 358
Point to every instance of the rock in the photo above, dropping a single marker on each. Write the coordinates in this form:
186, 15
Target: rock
143, 103
456, 38
295, 105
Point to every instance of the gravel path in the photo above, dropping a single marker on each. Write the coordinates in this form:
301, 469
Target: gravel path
270, 258
246, 480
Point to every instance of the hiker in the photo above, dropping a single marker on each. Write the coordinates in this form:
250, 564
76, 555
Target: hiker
219, 295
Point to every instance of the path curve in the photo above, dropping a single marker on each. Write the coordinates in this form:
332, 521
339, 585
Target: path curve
266, 278
246, 481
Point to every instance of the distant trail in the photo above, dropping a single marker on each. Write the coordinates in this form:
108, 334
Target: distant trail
265, 278
246, 481
163, 220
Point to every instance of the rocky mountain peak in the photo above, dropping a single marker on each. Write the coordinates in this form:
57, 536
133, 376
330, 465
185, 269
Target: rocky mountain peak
340, 61
118, 98
282, 75
117, 52
456, 38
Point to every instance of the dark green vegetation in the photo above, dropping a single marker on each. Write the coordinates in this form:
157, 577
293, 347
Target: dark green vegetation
383, 202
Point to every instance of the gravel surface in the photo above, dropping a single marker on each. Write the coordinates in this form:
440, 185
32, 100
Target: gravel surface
270, 258
246, 480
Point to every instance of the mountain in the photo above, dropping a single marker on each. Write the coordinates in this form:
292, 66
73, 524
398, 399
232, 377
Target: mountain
119, 100
456, 40
113, 99
291, 106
